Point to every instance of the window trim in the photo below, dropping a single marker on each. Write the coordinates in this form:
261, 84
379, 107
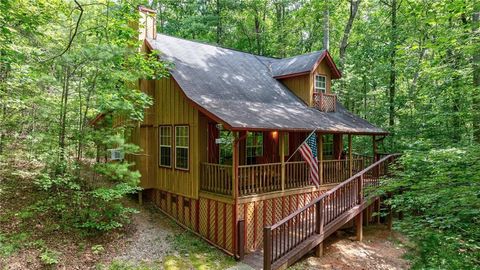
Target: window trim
319, 90
160, 145
175, 148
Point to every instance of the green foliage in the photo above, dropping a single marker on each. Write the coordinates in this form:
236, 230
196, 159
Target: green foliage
195, 253
440, 192
9, 243
49, 257
47, 101
98, 249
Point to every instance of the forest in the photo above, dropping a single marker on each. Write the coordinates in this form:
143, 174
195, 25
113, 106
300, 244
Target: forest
411, 67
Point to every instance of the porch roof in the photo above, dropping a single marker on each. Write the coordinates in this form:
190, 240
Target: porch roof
239, 90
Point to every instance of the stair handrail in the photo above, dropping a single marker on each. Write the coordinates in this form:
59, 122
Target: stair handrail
319, 198
318, 217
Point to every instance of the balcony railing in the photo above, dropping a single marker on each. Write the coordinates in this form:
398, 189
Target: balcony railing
263, 178
325, 102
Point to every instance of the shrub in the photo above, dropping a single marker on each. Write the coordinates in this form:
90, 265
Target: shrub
440, 195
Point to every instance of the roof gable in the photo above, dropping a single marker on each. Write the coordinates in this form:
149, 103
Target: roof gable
303, 64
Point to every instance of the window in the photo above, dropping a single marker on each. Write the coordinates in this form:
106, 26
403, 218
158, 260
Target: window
165, 143
254, 146
320, 84
286, 144
225, 147
181, 147
328, 146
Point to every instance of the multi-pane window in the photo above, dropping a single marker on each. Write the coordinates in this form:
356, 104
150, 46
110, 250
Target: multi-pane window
286, 143
165, 143
254, 146
181, 147
328, 146
320, 84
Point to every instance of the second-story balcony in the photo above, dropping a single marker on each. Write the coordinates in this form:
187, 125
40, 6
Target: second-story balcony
325, 102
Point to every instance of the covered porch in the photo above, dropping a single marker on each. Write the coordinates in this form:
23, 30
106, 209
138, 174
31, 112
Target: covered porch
252, 163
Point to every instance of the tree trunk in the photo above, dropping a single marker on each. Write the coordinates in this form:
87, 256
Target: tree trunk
393, 54
354, 4
63, 114
280, 21
326, 27
219, 21
365, 90
2, 131
476, 77
346, 33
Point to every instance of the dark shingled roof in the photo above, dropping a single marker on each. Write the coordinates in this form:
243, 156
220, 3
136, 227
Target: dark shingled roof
239, 90
293, 65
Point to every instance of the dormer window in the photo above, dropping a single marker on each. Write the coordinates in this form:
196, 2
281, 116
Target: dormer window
320, 84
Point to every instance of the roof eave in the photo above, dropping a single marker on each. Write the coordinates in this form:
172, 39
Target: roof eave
284, 76
370, 133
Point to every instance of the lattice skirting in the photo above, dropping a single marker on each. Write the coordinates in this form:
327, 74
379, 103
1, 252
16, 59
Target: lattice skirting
211, 219
214, 220
263, 213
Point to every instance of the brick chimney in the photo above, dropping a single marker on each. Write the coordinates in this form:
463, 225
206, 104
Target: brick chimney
147, 24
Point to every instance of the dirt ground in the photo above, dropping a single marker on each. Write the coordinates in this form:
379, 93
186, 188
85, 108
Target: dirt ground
380, 249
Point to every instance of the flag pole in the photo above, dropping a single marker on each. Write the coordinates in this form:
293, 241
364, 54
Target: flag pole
301, 145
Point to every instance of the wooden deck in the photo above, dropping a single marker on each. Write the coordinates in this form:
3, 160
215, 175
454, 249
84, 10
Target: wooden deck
255, 259
291, 238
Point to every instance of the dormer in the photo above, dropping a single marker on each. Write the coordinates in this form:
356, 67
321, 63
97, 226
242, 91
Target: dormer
309, 77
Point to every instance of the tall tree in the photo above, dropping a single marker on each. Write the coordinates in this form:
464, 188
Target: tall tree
326, 27
476, 75
354, 4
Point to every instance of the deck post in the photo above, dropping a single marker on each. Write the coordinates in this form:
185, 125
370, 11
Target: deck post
241, 244
350, 160
267, 248
319, 250
359, 226
140, 197
374, 145
282, 158
320, 158
319, 222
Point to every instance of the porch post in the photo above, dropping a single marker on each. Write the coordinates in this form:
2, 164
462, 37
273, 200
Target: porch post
282, 158
374, 144
235, 160
350, 160
320, 157
235, 192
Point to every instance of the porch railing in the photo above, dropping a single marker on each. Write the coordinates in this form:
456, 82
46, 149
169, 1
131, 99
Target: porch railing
262, 178
216, 178
318, 219
325, 102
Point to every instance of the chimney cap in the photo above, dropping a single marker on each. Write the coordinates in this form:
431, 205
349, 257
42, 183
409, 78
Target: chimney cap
147, 10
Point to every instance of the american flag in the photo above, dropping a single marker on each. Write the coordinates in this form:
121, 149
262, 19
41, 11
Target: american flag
309, 152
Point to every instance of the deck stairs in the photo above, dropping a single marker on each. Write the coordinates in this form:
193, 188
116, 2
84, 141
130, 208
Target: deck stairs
288, 240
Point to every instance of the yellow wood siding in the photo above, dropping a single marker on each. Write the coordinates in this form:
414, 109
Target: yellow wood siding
170, 108
323, 69
301, 86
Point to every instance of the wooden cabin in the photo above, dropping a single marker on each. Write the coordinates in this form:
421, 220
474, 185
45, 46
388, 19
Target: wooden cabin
222, 127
